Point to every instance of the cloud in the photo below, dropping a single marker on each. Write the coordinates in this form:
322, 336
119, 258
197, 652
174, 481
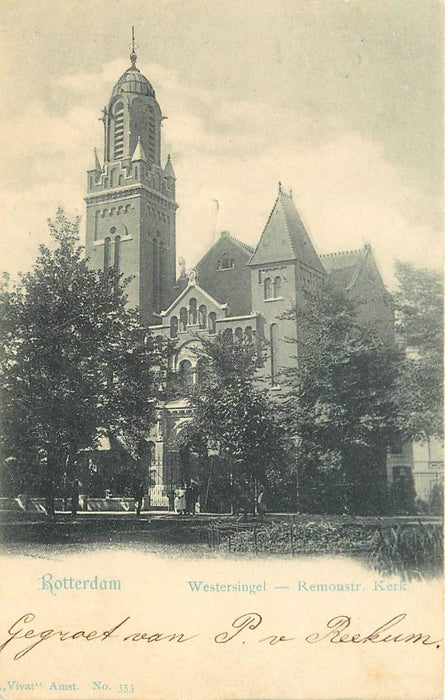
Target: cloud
346, 190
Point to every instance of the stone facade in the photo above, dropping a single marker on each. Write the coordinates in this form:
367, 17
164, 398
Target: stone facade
233, 289
131, 207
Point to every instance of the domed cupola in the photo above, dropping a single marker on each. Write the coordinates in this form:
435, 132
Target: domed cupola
132, 115
133, 81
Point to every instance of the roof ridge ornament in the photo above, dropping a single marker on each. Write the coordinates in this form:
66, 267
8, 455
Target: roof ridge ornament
133, 55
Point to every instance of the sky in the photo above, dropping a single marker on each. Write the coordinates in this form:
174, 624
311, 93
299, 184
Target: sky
340, 100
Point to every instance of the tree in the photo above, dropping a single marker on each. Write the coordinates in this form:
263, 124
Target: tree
231, 411
419, 325
338, 406
75, 364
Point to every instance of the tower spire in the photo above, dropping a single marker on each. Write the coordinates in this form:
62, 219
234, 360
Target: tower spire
133, 55
97, 164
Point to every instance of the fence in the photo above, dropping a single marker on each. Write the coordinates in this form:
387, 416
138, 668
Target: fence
220, 534
408, 547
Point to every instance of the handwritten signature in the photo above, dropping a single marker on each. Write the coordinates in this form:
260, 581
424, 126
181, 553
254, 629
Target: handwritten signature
244, 628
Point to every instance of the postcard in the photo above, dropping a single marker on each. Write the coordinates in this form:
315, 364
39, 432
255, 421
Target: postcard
221, 350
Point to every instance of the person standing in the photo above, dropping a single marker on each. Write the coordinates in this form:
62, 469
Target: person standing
180, 501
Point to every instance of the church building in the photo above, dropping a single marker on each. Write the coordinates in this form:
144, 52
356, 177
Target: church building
234, 289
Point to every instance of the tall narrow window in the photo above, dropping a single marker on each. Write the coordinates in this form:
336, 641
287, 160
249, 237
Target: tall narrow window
183, 319
248, 335
267, 288
225, 262
202, 367
117, 254
186, 374
107, 253
238, 335
119, 131
212, 323
192, 312
150, 454
174, 327
273, 354
277, 287
161, 256
202, 316
155, 274
152, 139
228, 336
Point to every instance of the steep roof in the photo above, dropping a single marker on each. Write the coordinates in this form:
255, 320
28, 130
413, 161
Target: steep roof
285, 237
226, 236
192, 287
168, 170
344, 268
139, 153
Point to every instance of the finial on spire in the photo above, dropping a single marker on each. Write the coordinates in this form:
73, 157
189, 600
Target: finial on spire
133, 55
97, 165
279, 187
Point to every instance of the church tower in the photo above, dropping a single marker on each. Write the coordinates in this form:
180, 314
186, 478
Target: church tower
131, 207
285, 270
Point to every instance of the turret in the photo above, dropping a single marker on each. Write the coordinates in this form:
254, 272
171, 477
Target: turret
131, 204
169, 175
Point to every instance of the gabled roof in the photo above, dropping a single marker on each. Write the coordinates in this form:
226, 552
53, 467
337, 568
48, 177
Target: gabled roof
344, 268
226, 236
285, 237
338, 261
190, 287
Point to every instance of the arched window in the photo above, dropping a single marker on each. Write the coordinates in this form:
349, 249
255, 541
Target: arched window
238, 335
186, 374
174, 327
228, 335
117, 253
119, 131
277, 287
232, 263
107, 253
212, 322
121, 179
273, 353
267, 288
202, 368
155, 272
183, 319
161, 255
248, 334
218, 265
202, 316
225, 262
192, 312
150, 454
